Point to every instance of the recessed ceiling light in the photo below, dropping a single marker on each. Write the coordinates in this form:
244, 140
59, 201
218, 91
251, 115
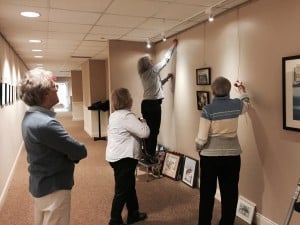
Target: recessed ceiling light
30, 14
35, 41
36, 50
38, 56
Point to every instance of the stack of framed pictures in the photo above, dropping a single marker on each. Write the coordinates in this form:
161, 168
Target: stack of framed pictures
179, 167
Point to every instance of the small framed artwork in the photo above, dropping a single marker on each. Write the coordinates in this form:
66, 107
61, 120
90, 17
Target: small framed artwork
202, 99
291, 92
245, 210
203, 76
171, 165
189, 171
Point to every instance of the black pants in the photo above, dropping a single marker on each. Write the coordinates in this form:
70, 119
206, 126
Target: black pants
226, 169
151, 111
125, 193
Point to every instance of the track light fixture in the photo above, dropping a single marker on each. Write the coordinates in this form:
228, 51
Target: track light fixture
210, 15
148, 43
164, 38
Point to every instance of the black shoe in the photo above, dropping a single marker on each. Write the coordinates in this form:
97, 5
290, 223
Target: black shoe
116, 222
297, 206
137, 217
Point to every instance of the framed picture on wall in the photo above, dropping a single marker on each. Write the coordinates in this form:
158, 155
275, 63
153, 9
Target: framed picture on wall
203, 76
189, 171
202, 99
291, 92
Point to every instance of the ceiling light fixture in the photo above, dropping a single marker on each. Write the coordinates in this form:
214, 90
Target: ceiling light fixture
36, 50
38, 56
148, 43
30, 14
164, 37
35, 41
210, 15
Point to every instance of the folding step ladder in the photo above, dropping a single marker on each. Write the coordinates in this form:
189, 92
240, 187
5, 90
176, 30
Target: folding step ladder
294, 204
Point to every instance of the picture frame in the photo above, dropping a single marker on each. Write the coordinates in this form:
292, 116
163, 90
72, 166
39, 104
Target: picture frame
291, 92
189, 171
245, 210
202, 99
203, 76
171, 165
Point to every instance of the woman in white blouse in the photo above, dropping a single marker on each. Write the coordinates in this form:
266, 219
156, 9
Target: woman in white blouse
122, 152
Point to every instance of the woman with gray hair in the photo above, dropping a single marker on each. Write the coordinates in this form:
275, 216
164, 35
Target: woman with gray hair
122, 153
219, 149
153, 96
51, 151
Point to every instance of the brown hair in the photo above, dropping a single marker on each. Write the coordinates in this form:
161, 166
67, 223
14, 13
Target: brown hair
221, 87
121, 99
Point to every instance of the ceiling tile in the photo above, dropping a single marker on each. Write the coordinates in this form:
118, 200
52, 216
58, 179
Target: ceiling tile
66, 16
142, 8
120, 21
86, 5
69, 27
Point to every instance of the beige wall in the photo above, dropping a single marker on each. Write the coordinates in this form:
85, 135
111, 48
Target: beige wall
247, 43
11, 69
76, 86
123, 57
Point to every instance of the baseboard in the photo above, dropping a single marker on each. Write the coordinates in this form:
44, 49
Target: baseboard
258, 219
10, 176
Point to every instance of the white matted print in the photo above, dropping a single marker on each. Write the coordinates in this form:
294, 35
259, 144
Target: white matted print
245, 209
189, 170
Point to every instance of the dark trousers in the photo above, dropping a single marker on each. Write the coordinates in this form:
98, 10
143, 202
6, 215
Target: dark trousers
226, 170
125, 193
151, 111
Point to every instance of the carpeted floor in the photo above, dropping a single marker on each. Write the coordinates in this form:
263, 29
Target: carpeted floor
166, 201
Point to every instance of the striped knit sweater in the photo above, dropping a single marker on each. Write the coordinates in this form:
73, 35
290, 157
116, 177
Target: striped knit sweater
217, 135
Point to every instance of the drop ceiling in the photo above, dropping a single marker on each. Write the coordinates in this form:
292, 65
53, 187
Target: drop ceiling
73, 31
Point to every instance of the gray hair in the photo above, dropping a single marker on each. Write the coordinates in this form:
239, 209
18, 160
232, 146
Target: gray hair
35, 85
221, 87
121, 99
144, 64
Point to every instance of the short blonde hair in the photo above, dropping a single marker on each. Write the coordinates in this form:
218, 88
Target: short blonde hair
121, 99
221, 87
35, 85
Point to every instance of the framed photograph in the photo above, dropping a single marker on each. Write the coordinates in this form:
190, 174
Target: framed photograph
203, 76
171, 165
202, 99
291, 92
189, 171
245, 210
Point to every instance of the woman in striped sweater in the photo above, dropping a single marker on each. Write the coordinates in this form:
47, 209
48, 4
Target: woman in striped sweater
219, 150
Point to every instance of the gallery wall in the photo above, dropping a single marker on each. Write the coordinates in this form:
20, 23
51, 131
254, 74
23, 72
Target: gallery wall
11, 114
246, 43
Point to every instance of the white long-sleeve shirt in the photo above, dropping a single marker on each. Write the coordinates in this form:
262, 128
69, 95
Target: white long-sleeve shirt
124, 132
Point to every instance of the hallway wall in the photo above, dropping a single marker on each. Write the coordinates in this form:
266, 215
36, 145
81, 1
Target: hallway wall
11, 114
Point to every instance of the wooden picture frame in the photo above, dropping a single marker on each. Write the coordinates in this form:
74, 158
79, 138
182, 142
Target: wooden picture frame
291, 92
202, 99
203, 76
245, 210
189, 171
171, 165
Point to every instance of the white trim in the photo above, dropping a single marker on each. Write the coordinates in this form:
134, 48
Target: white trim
10, 176
258, 218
